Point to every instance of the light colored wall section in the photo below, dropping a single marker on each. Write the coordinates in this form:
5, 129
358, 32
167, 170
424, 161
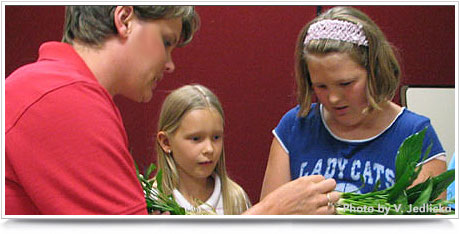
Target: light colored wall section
439, 105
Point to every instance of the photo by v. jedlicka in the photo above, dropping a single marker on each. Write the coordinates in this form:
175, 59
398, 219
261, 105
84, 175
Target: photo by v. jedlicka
401, 199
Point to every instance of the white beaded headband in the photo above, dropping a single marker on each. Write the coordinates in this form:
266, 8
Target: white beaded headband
336, 30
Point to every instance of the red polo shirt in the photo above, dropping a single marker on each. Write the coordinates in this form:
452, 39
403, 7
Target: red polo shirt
65, 144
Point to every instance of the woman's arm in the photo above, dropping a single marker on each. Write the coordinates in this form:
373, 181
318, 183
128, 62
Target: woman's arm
280, 195
277, 172
306, 195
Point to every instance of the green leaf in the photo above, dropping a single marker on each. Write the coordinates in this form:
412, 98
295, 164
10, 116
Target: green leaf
151, 168
441, 182
377, 185
159, 179
419, 169
409, 152
404, 181
137, 169
414, 192
427, 151
424, 197
402, 199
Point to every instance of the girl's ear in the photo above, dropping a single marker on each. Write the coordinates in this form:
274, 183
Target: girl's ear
122, 19
163, 140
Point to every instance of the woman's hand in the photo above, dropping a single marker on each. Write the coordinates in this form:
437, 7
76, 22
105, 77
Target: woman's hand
306, 195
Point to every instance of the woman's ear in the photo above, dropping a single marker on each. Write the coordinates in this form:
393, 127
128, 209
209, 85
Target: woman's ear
122, 19
163, 140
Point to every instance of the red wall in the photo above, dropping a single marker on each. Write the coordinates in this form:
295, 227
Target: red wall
245, 55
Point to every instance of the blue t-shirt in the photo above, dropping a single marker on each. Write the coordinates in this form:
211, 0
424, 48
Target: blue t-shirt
313, 149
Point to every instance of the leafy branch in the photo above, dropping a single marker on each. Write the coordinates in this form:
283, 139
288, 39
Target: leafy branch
399, 199
155, 197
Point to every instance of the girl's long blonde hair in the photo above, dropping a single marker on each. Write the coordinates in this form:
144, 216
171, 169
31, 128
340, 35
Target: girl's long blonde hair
176, 105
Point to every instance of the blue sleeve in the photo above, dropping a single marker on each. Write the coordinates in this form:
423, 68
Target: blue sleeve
413, 123
432, 138
283, 131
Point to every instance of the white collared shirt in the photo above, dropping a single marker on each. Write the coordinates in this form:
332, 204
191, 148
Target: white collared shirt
214, 203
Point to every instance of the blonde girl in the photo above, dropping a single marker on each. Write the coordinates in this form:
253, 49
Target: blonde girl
355, 129
191, 153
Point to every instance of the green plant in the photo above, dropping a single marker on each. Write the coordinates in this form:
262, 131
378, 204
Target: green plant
155, 197
399, 199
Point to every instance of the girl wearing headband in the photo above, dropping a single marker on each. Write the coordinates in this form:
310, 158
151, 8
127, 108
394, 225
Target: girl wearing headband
354, 130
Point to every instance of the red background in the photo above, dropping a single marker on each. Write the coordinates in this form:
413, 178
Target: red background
245, 54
